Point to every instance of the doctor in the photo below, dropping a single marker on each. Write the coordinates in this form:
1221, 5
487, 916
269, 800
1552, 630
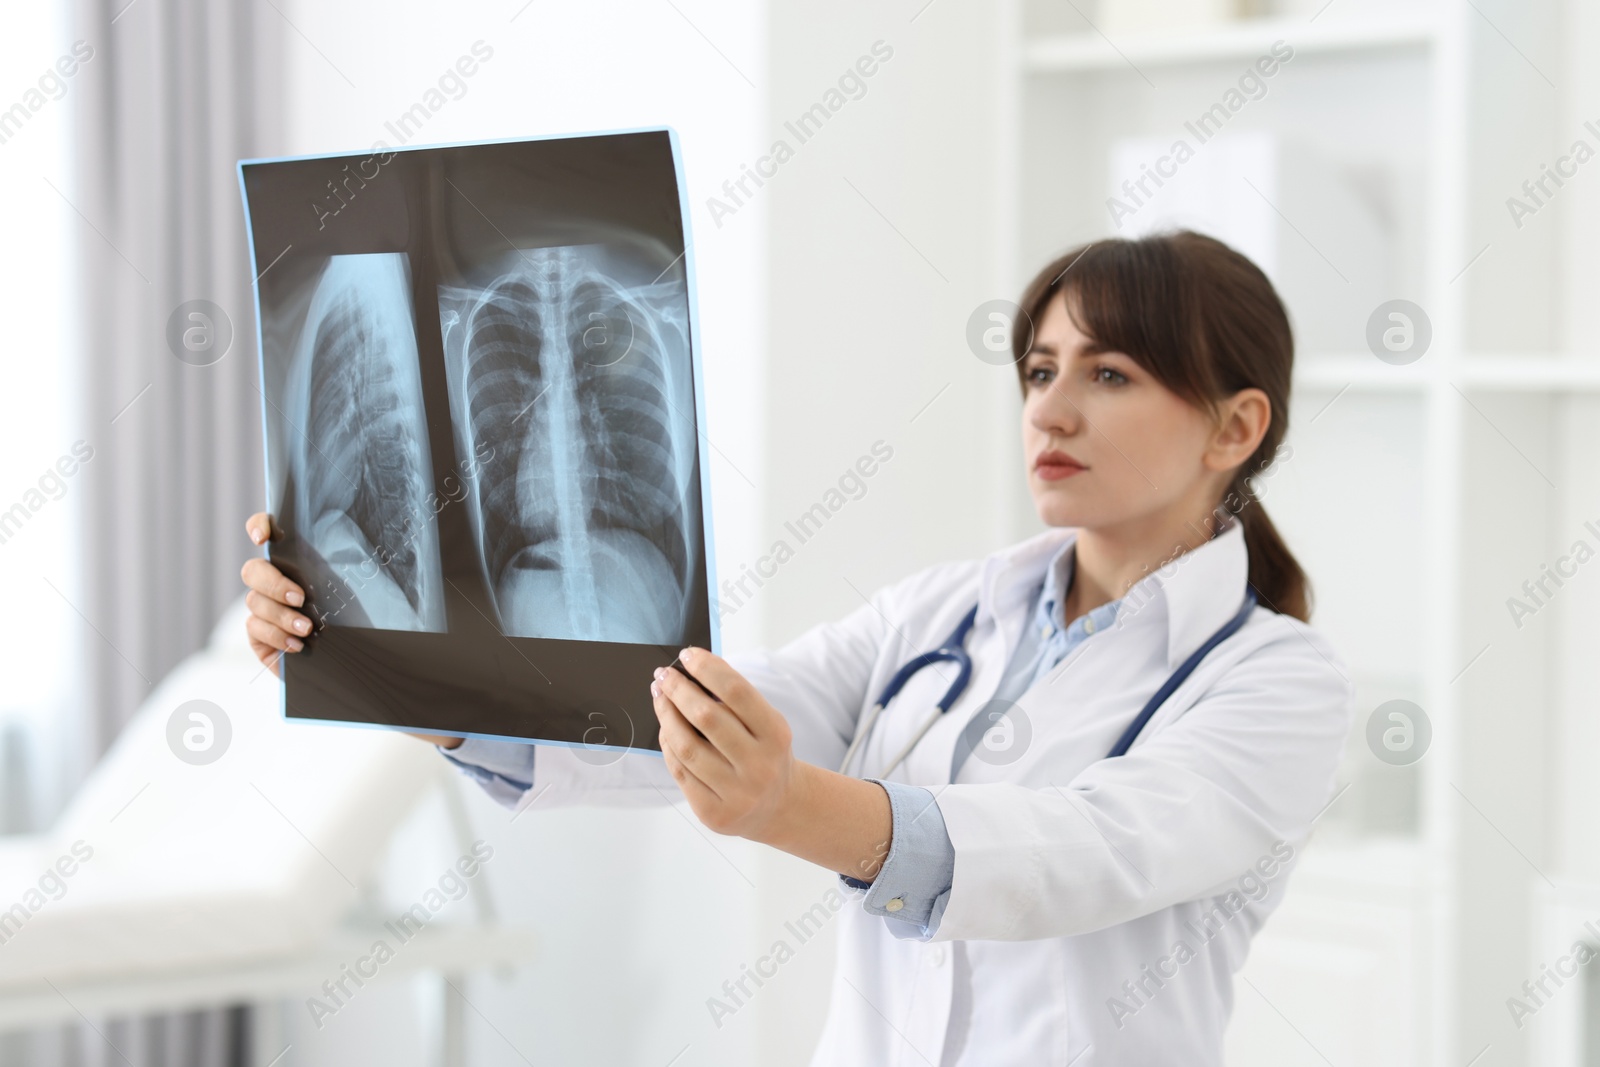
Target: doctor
1066, 865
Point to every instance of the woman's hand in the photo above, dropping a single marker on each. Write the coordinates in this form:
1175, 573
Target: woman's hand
733, 757
275, 627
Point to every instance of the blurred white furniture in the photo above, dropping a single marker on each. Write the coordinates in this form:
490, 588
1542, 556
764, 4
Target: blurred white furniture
233, 881
1562, 1021
1235, 187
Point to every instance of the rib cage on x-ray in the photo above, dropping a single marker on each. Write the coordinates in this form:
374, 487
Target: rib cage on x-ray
582, 384
360, 464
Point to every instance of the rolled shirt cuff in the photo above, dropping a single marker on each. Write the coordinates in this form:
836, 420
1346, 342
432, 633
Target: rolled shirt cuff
913, 885
504, 769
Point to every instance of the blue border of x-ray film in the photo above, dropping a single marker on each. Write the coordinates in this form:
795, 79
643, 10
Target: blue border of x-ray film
700, 420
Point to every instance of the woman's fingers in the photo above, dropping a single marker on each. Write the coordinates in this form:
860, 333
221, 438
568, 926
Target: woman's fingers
439, 739
713, 718
268, 655
274, 626
758, 718
269, 581
697, 793
689, 761
263, 632
679, 739
288, 620
259, 527
744, 776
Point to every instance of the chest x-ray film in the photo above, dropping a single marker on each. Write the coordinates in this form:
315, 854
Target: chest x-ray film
482, 408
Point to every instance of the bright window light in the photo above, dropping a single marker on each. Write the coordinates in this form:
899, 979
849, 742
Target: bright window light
35, 541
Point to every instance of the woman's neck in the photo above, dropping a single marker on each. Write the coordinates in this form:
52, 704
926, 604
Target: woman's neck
1111, 561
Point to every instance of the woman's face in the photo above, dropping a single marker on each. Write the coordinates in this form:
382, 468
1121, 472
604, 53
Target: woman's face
1106, 444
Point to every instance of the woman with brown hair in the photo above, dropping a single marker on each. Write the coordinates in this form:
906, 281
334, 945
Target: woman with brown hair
1087, 800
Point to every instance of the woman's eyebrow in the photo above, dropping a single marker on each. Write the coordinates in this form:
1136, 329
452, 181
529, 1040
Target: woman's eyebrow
1083, 350
1091, 348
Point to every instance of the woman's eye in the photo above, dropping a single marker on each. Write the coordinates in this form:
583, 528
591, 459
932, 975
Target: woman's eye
1041, 375
1109, 376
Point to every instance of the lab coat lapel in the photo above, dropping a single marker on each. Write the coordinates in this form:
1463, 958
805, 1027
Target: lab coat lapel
1193, 595
1202, 590
1006, 584
1009, 577
1164, 618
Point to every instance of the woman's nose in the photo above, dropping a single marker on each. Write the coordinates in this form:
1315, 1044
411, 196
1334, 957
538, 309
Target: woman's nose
1056, 411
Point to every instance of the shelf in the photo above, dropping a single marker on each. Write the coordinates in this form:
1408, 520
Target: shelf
1364, 372
1533, 373
1538, 372
1243, 40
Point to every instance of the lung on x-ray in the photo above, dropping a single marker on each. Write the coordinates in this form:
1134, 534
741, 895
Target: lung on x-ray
360, 467
573, 363
483, 413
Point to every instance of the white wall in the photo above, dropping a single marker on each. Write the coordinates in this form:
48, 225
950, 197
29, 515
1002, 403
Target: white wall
883, 243
35, 427
885, 236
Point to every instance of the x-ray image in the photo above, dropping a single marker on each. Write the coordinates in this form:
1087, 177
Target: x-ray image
359, 465
483, 418
580, 375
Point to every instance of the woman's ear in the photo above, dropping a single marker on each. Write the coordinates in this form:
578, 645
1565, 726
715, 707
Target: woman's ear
1242, 421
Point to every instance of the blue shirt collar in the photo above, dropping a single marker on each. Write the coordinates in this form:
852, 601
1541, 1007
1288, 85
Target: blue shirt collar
1051, 611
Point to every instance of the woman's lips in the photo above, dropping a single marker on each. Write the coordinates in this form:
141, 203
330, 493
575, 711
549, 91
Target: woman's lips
1054, 466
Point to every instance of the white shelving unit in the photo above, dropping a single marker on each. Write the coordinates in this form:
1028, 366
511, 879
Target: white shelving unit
1414, 913
1531, 372
1089, 51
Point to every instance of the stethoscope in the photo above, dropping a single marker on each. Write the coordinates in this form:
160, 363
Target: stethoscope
953, 650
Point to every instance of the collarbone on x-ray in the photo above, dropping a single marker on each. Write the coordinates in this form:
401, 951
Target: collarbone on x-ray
361, 470
580, 382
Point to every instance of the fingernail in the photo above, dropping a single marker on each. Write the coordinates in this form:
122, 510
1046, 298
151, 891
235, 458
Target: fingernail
655, 689
302, 625
687, 654
295, 644
660, 671
255, 535
295, 597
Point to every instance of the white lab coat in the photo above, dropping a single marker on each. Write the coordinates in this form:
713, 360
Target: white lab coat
1078, 880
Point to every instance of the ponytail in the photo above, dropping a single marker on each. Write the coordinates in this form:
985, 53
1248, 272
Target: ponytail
1275, 574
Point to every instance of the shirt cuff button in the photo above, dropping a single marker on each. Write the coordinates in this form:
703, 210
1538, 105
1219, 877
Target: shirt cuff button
894, 904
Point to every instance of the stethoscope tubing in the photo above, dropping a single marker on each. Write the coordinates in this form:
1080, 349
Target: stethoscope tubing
953, 650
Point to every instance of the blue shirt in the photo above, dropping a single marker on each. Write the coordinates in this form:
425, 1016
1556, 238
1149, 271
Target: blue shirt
913, 886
